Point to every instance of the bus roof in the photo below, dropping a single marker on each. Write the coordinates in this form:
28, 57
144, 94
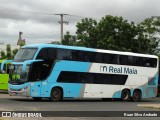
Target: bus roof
87, 49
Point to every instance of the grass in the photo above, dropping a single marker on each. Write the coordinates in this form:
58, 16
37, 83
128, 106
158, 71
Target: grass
2, 119
150, 106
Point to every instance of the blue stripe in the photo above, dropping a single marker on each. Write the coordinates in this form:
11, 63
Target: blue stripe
70, 89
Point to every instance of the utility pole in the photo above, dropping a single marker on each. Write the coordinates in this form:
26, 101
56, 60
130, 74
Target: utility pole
61, 22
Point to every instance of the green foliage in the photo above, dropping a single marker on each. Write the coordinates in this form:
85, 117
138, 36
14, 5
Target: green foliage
87, 32
56, 42
22, 44
68, 39
8, 50
14, 52
9, 53
115, 33
152, 31
3, 55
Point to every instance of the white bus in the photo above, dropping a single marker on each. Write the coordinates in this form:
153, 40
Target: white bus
58, 71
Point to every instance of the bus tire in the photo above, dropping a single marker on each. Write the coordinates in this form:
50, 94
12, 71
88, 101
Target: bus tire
136, 95
56, 94
125, 95
37, 98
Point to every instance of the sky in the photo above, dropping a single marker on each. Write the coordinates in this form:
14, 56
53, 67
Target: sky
39, 24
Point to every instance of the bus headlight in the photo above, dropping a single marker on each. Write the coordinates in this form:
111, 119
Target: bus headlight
25, 88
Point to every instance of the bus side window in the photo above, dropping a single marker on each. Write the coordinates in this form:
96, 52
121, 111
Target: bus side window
114, 59
68, 55
131, 60
51, 53
106, 58
98, 57
123, 59
43, 54
91, 78
153, 62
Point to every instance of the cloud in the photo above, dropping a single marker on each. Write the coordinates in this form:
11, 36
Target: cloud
33, 17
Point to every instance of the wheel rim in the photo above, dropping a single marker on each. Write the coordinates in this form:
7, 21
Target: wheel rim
56, 94
125, 96
135, 96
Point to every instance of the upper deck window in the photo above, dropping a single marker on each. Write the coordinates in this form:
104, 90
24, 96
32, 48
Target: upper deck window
95, 57
47, 54
25, 54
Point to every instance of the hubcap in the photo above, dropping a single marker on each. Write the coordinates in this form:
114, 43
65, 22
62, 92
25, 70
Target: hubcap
125, 96
55, 94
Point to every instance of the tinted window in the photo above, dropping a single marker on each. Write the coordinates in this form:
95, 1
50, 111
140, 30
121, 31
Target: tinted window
91, 78
43, 54
87, 56
153, 62
106, 58
131, 60
63, 54
114, 59
52, 53
47, 54
123, 59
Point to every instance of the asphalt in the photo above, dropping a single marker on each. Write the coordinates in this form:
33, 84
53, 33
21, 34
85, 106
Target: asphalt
15, 103
151, 105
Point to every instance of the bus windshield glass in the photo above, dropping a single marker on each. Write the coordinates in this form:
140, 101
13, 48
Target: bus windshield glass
25, 54
17, 75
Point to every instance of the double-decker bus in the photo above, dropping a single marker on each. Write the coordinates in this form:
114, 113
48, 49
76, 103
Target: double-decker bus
58, 71
4, 76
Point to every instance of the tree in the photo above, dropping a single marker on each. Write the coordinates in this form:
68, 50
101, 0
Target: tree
22, 43
87, 33
14, 52
9, 53
113, 33
69, 39
56, 42
152, 30
3, 55
8, 50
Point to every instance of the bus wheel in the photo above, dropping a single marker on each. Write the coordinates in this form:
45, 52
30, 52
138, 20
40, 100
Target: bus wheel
56, 94
125, 95
37, 98
136, 96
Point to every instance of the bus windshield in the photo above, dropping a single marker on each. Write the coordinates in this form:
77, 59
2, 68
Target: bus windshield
25, 54
17, 75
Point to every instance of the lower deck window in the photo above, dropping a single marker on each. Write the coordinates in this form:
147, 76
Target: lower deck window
91, 78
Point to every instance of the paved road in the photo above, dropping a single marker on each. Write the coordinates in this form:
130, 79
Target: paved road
27, 104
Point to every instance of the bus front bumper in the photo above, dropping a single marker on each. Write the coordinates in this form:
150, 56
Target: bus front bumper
25, 92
